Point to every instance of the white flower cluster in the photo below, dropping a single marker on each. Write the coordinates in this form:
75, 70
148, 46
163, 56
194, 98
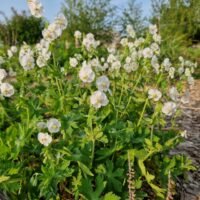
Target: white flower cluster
114, 62
153, 30
7, 90
89, 42
53, 125
99, 98
43, 52
130, 31
170, 107
12, 51
52, 32
55, 29
26, 57
35, 8
86, 74
186, 69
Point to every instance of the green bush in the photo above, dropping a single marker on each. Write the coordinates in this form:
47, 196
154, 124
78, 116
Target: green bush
21, 28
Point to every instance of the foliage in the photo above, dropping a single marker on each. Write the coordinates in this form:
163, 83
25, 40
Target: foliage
132, 15
180, 19
94, 16
16, 30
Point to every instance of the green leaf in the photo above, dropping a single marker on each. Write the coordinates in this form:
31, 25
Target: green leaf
111, 196
4, 178
91, 192
85, 169
114, 176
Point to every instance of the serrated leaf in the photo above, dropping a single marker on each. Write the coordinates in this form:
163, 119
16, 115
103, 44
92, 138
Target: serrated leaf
85, 169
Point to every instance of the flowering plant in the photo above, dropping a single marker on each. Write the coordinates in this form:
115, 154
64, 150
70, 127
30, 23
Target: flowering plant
76, 131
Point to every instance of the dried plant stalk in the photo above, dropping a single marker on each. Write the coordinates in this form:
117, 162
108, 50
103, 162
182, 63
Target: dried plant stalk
171, 188
131, 181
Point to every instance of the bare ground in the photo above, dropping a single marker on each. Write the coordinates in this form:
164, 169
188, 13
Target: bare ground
190, 189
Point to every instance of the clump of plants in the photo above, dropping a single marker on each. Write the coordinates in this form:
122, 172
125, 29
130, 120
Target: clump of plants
99, 127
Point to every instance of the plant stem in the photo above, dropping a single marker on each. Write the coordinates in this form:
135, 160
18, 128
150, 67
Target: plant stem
142, 114
93, 150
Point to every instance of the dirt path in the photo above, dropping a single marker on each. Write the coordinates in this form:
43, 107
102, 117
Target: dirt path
190, 189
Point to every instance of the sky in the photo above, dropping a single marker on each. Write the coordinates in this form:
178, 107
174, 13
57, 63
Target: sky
52, 7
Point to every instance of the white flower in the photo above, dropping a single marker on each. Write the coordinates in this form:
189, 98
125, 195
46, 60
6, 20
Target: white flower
77, 34
167, 64
102, 59
7, 89
173, 93
171, 72
61, 22
133, 66
157, 38
181, 70
94, 62
54, 30
155, 64
53, 125
78, 56
44, 138
111, 58
103, 83
181, 59
139, 41
3, 74
184, 134
13, 49
98, 99
73, 62
130, 31
187, 72
104, 66
36, 8
124, 42
115, 65
10, 53
89, 42
154, 46
41, 62
26, 57
147, 53
169, 108
153, 29
42, 46
154, 94
86, 74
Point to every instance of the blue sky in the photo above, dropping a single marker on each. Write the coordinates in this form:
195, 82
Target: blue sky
52, 7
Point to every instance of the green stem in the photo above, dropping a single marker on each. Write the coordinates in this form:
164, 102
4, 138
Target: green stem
142, 114
152, 127
93, 150
120, 98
